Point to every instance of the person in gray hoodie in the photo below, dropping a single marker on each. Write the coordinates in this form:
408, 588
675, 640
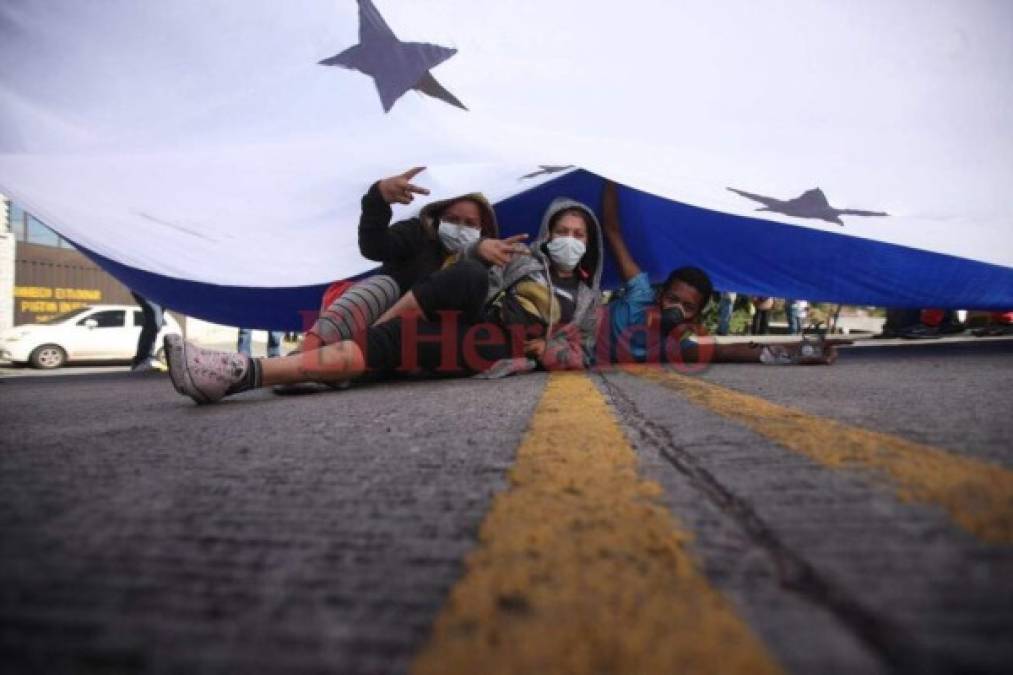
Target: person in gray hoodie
540, 309
555, 291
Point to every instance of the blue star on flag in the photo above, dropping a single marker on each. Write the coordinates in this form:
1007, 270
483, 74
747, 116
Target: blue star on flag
395, 66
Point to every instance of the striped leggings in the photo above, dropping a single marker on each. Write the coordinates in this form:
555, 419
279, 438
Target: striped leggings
356, 309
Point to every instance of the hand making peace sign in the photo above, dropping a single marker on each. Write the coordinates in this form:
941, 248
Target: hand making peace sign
502, 251
399, 188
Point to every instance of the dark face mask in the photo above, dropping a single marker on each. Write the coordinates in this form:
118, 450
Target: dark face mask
670, 318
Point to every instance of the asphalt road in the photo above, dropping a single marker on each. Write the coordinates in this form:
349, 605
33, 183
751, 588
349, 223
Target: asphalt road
851, 519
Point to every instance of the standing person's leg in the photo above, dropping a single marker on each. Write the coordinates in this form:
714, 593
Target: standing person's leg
791, 314
153, 321
274, 338
142, 348
157, 323
725, 308
244, 344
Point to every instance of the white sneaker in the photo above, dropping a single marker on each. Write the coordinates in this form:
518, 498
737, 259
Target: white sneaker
204, 375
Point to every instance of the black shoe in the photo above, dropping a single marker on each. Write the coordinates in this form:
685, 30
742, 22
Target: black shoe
304, 388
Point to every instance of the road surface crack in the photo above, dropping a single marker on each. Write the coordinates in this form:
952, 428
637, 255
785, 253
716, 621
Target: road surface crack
890, 643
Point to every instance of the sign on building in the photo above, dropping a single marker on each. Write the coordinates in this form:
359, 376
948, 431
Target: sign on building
49, 281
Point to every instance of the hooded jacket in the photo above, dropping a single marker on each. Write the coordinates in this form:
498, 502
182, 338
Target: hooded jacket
410, 250
565, 351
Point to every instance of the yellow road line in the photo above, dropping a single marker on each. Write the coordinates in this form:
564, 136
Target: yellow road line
978, 495
581, 569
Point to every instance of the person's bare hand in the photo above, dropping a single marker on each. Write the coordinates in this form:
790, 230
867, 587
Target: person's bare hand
535, 348
501, 251
399, 189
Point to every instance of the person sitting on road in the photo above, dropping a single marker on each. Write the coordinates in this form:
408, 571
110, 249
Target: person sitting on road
638, 317
410, 251
539, 310
462, 227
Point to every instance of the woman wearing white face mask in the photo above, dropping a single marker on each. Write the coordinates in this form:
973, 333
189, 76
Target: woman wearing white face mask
410, 251
457, 236
542, 305
548, 294
555, 292
413, 250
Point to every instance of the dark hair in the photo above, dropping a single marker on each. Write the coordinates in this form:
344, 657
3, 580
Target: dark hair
695, 277
588, 264
487, 224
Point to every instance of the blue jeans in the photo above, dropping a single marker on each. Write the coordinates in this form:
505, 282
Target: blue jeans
273, 341
725, 307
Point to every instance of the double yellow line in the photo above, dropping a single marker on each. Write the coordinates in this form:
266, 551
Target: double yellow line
581, 569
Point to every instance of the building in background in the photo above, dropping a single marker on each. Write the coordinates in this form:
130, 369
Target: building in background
7, 246
49, 275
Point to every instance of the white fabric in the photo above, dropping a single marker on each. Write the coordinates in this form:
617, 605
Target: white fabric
203, 141
457, 237
566, 252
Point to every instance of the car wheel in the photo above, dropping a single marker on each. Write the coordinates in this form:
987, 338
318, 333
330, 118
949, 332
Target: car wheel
47, 357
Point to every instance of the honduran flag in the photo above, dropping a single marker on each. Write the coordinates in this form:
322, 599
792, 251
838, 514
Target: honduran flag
212, 154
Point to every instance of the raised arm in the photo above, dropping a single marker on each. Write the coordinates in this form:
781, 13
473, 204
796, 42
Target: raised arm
628, 267
377, 240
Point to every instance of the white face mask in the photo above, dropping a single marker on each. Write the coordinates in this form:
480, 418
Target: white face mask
456, 238
566, 252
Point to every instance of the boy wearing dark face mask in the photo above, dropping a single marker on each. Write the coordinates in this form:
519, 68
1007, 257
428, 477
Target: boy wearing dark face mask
634, 328
634, 335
